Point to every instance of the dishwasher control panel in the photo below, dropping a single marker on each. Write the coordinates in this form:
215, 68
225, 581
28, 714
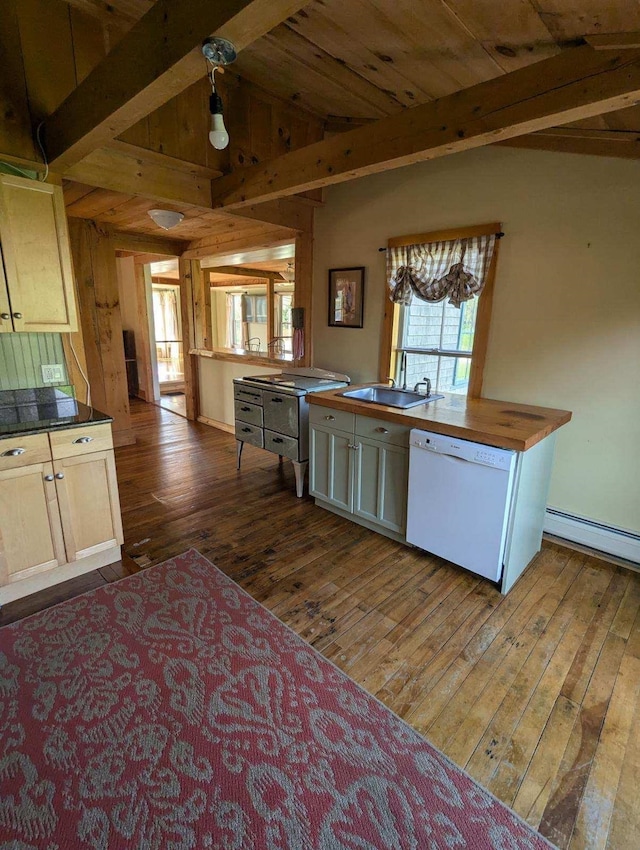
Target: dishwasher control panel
463, 450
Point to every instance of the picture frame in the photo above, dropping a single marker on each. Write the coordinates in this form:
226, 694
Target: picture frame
346, 297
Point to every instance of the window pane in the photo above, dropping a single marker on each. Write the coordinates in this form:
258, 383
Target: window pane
447, 374
440, 325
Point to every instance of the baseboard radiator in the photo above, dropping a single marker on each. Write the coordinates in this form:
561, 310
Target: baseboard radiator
596, 535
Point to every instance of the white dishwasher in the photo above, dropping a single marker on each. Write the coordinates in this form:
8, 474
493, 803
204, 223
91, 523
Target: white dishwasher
459, 500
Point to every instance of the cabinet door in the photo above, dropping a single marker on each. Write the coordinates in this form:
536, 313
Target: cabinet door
89, 504
381, 481
30, 531
6, 324
331, 467
37, 259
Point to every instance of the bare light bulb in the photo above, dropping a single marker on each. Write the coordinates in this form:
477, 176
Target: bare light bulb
218, 135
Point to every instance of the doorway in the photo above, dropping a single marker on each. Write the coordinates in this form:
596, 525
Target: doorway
169, 348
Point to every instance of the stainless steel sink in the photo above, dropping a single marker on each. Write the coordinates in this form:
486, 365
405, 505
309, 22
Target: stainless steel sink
390, 396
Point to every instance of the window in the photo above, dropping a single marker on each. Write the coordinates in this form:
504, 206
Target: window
168, 333
438, 341
246, 326
435, 339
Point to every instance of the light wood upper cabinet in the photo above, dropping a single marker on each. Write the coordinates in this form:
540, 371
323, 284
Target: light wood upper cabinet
37, 291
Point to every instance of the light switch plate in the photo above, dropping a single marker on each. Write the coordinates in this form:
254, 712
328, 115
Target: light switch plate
53, 373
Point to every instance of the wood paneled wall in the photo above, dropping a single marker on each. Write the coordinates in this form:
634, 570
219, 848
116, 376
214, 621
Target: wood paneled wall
22, 355
94, 261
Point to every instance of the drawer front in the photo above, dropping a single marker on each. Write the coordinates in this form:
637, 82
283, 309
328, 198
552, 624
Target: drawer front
285, 446
250, 434
379, 429
340, 419
246, 412
79, 441
281, 413
249, 394
22, 451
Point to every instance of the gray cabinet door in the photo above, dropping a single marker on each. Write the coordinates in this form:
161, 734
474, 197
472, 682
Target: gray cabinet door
381, 476
330, 473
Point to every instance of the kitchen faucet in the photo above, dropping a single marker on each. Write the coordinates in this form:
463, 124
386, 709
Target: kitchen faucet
403, 369
424, 382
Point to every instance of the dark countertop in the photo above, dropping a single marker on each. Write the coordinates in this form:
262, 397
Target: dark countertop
41, 417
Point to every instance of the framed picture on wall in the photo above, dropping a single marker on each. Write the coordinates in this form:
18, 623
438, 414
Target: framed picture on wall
346, 297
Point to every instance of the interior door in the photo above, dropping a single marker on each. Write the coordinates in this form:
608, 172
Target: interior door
30, 531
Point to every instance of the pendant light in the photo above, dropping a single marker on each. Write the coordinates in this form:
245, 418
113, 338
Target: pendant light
218, 52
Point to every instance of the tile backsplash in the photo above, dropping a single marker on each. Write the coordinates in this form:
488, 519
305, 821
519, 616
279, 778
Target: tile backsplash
22, 355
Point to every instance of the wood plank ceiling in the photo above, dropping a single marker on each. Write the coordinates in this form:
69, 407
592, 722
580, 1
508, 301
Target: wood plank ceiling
131, 213
358, 60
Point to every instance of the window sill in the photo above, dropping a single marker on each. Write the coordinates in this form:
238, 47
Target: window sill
241, 356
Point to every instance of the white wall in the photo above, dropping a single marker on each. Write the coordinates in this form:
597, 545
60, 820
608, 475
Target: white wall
216, 386
566, 321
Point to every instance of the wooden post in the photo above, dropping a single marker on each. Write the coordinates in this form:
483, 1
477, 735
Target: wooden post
202, 322
191, 380
143, 350
302, 296
271, 331
99, 308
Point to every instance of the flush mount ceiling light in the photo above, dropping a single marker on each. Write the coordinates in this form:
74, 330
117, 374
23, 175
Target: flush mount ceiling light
218, 52
166, 219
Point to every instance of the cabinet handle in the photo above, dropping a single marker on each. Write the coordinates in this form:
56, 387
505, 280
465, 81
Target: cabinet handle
246, 409
278, 440
59, 475
330, 418
83, 440
355, 446
5, 316
382, 430
48, 478
247, 430
13, 452
276, 400
17, 315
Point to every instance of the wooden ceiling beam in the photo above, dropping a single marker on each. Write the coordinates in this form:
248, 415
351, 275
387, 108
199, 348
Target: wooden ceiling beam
617, 143
241, 271
132, 172
158, 58
578, 83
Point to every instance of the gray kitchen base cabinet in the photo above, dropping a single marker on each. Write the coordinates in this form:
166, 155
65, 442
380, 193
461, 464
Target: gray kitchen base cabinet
357, 476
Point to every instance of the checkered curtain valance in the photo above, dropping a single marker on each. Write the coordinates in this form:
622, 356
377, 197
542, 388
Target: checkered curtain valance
433, 271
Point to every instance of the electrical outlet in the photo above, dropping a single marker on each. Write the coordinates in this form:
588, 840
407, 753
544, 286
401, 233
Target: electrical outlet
53, 373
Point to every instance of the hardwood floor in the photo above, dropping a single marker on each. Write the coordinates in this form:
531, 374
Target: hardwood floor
535, 694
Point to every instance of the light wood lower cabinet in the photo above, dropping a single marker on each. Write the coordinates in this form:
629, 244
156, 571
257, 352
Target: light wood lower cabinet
89, 505
30, 530
56, 514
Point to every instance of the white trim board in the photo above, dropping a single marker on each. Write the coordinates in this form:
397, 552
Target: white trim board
596, 535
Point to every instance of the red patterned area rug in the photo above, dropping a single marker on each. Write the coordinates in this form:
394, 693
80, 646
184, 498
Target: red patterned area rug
170, 711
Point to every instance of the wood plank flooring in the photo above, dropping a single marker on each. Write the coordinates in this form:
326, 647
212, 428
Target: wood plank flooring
535, 694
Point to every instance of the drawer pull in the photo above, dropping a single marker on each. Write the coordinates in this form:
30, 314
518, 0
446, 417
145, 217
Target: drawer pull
278, 440
382, 430
13, 453
246, 409
59, 475
247, 430
17, 315
48, 478
5, 316
276, 400
83, 440
330, 418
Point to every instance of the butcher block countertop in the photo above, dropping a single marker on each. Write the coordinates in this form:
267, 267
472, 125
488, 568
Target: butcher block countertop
495, 423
